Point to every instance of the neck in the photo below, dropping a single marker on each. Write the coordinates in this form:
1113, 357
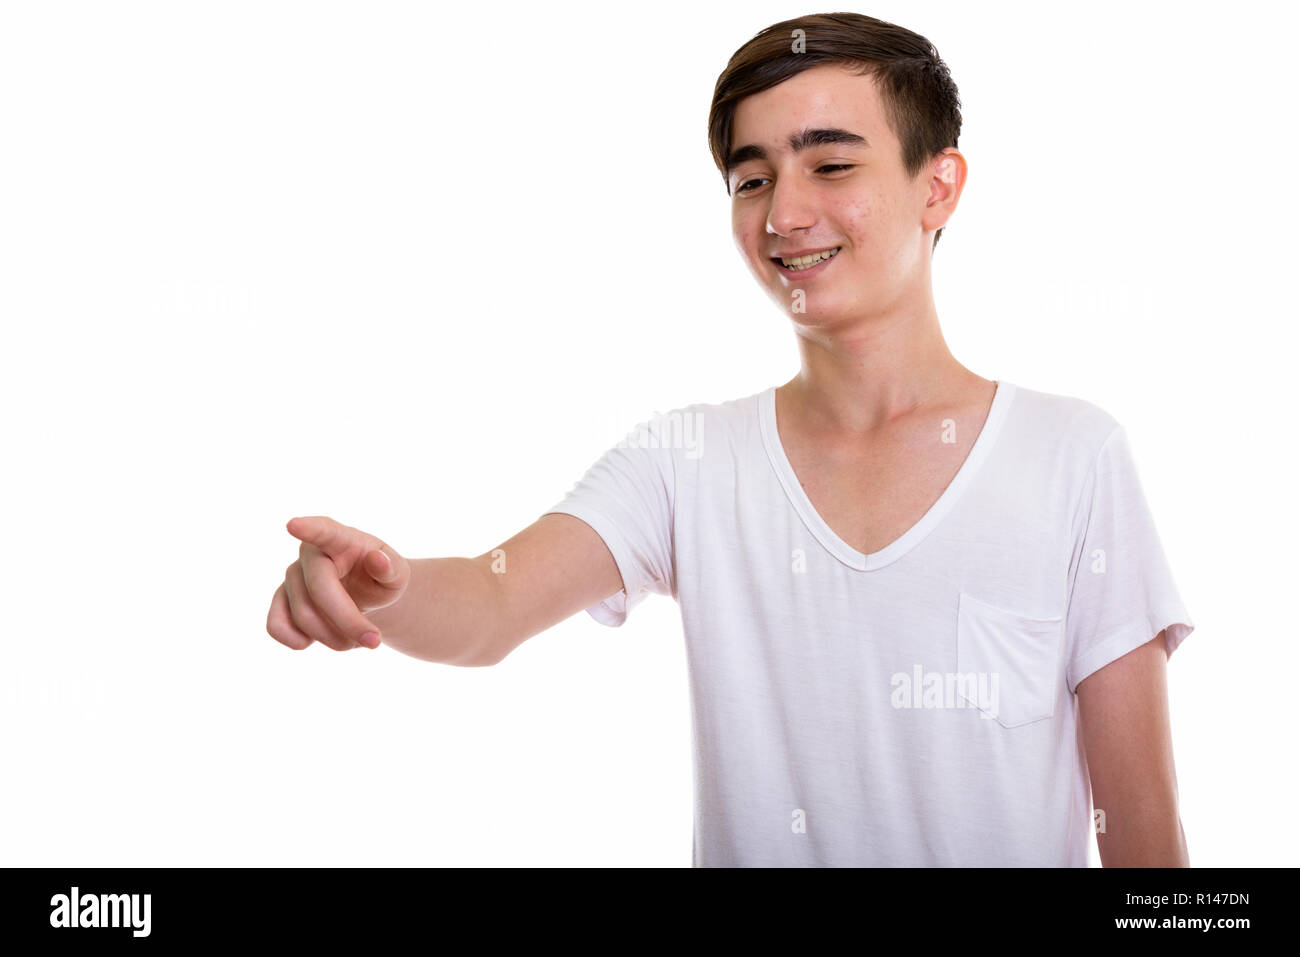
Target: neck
855, 379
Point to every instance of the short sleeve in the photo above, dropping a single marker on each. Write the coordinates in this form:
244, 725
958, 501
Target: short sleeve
1123, 592
626, 496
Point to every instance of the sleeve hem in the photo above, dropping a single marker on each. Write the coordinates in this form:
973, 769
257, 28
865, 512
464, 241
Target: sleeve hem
1175, 623
614, 609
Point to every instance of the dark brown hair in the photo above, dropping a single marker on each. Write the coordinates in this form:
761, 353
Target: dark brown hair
917, 91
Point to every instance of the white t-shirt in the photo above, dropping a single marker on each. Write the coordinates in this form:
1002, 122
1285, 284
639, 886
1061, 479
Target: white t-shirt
911, 707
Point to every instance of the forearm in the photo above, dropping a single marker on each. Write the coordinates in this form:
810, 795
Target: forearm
446, 615
1143, 836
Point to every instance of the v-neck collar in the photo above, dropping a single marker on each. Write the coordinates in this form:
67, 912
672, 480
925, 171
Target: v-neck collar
908, 540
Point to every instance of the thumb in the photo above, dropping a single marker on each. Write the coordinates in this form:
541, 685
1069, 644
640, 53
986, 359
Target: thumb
380, 566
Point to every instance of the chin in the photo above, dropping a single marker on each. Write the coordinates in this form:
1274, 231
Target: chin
810, 317
824, 315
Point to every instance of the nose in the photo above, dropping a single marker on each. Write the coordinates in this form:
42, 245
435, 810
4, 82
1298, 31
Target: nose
792, 206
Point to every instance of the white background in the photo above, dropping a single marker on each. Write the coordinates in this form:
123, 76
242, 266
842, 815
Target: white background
416, 270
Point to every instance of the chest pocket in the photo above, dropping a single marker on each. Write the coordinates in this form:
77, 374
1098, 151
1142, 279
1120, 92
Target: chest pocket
1023, 653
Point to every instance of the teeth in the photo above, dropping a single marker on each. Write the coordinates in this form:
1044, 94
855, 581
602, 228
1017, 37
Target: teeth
804, 262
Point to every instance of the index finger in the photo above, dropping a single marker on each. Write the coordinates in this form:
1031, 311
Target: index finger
319, 530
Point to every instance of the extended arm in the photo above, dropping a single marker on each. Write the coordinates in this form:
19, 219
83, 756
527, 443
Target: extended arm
475, 611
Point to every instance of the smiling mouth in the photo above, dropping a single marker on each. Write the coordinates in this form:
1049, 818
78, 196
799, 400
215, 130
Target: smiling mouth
801, 263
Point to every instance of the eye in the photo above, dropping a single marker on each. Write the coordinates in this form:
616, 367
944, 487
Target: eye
747, 187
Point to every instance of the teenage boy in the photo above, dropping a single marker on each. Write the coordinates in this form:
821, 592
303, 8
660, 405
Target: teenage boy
927, 614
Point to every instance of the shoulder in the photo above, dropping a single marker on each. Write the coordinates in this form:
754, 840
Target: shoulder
727, 424
724, 412
1067, 423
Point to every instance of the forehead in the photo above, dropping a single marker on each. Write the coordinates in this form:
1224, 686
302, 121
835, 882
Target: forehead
827, 96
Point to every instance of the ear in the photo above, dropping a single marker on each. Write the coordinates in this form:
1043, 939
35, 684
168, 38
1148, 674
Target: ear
945, 179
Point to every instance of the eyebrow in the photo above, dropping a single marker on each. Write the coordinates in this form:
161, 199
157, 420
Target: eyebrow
799, 141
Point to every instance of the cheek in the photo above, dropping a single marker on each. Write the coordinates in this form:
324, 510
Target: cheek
863, 218
856, 218
745, 231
